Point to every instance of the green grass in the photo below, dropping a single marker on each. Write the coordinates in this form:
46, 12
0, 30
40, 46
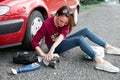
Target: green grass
86, 7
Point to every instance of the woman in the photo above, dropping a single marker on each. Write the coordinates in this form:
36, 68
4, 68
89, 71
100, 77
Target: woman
55, 30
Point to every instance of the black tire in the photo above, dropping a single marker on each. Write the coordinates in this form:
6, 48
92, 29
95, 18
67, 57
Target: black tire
35, 18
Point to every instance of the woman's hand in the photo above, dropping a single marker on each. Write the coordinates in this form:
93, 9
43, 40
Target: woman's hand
48, 57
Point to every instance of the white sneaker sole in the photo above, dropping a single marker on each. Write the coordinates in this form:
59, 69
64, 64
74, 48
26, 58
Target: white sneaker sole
106, 70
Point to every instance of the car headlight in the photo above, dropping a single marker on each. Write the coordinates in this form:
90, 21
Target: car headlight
4, 10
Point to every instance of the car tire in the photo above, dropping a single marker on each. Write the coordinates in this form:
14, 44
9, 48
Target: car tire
34, 23
76, 17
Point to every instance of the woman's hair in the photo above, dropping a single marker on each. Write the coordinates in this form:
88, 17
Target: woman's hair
67, 11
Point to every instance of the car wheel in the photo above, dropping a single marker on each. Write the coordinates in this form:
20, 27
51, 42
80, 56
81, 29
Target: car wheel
34, 23
75, 17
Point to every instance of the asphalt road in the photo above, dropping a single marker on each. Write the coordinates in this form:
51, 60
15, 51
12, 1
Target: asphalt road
104, 21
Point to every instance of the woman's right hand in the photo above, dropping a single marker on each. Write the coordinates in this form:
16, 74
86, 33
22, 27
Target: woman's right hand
48, 57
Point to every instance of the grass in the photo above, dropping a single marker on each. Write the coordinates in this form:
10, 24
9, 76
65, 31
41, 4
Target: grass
86, 7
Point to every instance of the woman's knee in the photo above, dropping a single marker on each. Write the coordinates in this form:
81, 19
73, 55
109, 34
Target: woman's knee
86, 29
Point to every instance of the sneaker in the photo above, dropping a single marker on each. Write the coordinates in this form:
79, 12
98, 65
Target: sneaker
106, 66
114, 50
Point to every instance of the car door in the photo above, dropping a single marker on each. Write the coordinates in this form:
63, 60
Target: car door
52, 5
69, 2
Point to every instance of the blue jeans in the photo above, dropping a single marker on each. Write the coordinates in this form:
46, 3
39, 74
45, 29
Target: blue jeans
78, 39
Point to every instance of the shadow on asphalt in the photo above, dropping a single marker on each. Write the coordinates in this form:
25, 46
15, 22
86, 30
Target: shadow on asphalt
11, 49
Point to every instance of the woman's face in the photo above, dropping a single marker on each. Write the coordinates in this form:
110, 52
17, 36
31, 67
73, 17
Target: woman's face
62, 21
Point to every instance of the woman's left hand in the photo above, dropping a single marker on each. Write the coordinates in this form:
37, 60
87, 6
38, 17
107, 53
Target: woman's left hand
48, 57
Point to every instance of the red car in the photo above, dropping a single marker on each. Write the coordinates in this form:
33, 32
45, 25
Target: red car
20, 19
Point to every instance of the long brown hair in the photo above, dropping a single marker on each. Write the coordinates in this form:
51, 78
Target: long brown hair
67, 11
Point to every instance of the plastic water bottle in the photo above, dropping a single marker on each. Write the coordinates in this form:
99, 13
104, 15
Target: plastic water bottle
99, 51
27, 68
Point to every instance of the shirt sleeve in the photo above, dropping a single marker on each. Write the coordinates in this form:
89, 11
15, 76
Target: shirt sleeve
38, 36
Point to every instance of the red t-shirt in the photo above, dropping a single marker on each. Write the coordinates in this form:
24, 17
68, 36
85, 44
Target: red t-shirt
50, 32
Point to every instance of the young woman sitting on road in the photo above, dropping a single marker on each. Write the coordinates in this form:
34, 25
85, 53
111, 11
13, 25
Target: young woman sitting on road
55, 30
